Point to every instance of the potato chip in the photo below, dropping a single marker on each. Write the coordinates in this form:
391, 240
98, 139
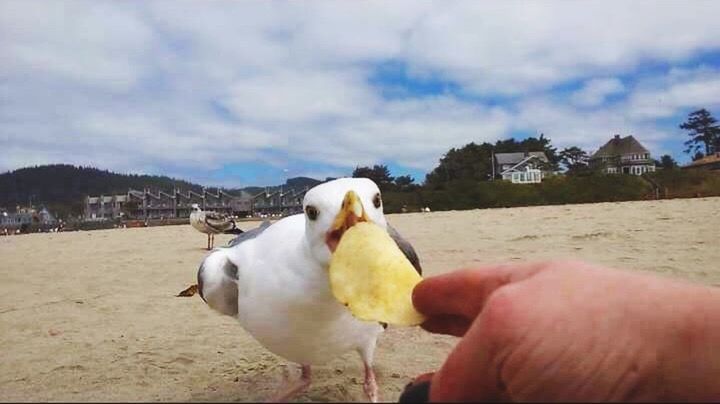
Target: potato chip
371, 275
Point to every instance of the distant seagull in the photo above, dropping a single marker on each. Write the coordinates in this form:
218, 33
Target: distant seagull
212, 223
274, 281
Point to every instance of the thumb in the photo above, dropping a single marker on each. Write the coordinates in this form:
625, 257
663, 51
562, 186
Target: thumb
463, 293
472, 370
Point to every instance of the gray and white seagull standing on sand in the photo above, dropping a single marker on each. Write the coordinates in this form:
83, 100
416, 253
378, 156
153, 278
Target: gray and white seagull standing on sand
274, 280
212, 223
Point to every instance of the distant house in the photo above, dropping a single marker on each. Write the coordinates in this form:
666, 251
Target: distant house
148, 205
46, 218
242, 204
24, 217
110, 206
521, 168
279, 202
623, 156
15, 220
711, 162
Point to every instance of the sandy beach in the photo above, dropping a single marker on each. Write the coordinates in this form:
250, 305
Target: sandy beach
92, 316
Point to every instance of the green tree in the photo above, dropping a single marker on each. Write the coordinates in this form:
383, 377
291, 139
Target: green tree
574, 159
63, 188
474, 161
404, 182
380, 174
667, 162
703, 132
470, 162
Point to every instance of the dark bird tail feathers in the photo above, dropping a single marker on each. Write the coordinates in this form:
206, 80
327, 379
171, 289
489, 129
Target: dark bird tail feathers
234, 229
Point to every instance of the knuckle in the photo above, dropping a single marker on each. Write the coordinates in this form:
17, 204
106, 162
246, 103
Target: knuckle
501, 313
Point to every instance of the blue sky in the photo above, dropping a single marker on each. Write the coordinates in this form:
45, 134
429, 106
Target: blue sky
251, 93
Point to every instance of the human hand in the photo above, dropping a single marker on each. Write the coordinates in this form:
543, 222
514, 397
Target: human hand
571, 331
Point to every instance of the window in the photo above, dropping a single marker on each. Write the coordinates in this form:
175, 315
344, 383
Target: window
526, 177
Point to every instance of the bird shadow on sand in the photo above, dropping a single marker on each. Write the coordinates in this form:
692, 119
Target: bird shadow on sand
252, 386
260, 381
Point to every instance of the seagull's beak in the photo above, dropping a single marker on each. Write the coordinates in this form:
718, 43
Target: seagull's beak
351, 212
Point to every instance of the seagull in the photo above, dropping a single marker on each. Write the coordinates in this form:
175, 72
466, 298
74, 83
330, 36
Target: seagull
212, 223
274, 281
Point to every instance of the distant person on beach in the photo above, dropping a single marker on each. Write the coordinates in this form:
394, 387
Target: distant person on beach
562, 331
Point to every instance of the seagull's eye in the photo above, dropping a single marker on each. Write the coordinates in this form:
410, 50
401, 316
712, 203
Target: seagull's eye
377, 201
312, 212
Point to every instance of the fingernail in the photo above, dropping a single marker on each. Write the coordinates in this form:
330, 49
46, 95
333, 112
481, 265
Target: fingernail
416, 393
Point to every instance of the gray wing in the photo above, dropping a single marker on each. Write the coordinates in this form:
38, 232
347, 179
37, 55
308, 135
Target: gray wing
218, 283
406, 248
218, 222
250, 234
218, 277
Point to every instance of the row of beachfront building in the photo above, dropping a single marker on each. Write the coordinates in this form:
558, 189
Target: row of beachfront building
147, 204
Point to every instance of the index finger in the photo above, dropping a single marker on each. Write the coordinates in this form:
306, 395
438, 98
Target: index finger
464, 293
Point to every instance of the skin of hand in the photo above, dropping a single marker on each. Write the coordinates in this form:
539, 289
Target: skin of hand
557, 331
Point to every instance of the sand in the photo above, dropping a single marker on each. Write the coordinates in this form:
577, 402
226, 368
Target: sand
90, 316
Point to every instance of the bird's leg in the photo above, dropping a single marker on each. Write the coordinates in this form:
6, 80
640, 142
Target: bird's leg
291, 389
212, 241
370, 386
208, 244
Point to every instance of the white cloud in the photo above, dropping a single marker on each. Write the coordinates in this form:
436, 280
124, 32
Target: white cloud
595, 91
515, 47
300, 96
680, 89
588, 129
169, 86
660, 96
412, 132
98, 44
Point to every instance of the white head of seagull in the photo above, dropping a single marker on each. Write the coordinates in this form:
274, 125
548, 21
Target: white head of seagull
333, 207
196, 207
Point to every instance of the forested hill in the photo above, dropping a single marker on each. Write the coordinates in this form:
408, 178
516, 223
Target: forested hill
297, 183
61, 187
